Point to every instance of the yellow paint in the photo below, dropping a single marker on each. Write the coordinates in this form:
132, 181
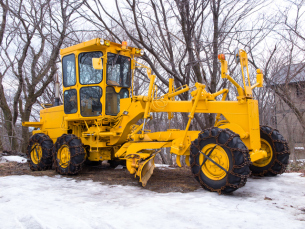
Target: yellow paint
187, 160
266, 147
100, 154
63, 155
257, 155
36, 153
109, 137
33, 124
145, 170
219, 155
178, 162
97, 63
235, 128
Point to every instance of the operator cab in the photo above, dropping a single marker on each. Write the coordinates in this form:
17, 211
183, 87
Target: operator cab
89, 91
118, 75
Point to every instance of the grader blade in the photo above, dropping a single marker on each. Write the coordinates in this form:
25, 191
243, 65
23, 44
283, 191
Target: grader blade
146, 169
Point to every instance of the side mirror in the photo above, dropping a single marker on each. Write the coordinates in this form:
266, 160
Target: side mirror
97, 63
236, 56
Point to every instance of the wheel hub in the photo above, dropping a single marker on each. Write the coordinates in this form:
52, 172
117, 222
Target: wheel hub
36, 153
63, 156
219, 156
264, 161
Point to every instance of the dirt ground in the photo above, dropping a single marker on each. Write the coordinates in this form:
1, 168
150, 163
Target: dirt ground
163, 180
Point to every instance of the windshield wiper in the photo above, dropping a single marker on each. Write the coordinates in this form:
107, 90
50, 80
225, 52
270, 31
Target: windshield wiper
115, 59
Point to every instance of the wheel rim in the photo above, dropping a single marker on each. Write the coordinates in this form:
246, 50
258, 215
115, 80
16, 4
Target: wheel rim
36, 153
219, 155
63, 155
265, 161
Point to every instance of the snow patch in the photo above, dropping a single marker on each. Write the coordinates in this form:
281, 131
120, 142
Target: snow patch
163, 166
119, 167
60, 202
13, 158
301, 161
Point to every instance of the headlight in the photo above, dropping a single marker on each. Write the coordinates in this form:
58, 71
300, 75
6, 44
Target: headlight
137, 51
142, 52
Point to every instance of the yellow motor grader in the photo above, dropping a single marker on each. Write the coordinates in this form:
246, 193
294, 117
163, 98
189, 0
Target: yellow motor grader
101, 119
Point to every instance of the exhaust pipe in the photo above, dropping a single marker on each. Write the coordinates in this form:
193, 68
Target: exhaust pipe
56, 102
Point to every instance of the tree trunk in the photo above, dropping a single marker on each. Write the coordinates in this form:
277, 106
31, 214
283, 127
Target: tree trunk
169, 156
9, 126
25, 117
164, 161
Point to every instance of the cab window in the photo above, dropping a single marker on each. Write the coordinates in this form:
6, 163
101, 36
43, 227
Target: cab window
118, 70
68, 69
70, 101
90, 104
113, 100
87, 74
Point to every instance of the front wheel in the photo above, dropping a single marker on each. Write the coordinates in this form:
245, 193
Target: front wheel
68, 154
277, 153
39, 152
220, 160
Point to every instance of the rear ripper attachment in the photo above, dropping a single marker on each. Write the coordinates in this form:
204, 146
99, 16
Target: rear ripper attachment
100, 119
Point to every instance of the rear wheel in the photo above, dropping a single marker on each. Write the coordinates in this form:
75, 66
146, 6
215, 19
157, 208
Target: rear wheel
68, 154
220, 160
39, 152
277, 153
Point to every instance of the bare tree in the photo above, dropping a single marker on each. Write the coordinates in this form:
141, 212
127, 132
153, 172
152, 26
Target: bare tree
3, 22
181, 38
283, 67
38, 30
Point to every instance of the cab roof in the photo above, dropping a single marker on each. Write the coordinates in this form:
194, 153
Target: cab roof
94, 45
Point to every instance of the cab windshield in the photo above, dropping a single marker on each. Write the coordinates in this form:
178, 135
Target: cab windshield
87, 74
118, 70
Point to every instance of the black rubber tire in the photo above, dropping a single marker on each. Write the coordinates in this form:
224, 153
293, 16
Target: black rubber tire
77, 154
280, 156
238, 155
46, 144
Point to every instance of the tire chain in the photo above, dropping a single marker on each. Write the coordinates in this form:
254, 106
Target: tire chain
78, 166
286, 151
49, 155
247, 160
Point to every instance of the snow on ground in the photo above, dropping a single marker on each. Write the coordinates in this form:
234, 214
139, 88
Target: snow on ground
300, 161
13, 158
59, 202
163, 166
